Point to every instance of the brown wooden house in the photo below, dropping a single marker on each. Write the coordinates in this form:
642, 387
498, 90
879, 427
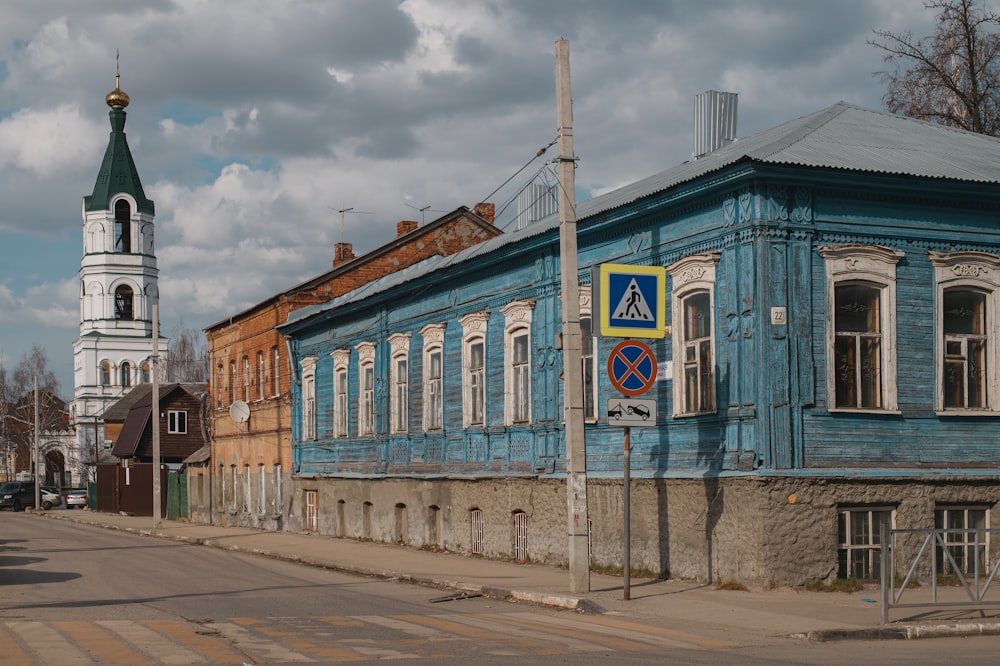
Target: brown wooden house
181, 423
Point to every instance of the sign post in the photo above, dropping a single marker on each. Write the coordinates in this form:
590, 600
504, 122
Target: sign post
632, 370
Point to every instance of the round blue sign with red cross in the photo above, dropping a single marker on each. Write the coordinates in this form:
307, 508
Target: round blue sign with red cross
632, 367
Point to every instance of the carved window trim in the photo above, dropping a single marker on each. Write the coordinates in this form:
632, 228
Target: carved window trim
341, 403
366, 388
517, 361
872, 266
399, 381
691, 277
974, 272
308, 421
433, 384
474, 388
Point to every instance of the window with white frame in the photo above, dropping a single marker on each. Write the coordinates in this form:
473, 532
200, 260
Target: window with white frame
693, 333
261, 381
246, 379
309, 398
474, 368
861, 327
433, 335
277, 489
965, 538
177, 421
399, 380
247, 489
967, 297
341, 358
366, 389
261, 488
860, 538
276, 370
517, 357
232, 382
588, 359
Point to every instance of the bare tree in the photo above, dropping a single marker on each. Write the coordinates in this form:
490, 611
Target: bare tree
187, 360
951, 77
17, 407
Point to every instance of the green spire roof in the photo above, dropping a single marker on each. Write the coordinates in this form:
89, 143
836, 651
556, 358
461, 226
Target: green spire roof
118, 173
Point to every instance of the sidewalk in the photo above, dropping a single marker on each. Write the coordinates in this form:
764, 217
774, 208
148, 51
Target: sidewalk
819, 616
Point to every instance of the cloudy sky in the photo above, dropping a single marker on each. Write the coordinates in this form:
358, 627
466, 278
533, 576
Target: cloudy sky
253, 122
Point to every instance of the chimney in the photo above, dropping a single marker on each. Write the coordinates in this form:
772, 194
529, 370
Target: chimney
714, 121
405, 227
342, 253
485, 210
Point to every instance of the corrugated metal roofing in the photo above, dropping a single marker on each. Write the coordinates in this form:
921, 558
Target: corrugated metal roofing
842, 136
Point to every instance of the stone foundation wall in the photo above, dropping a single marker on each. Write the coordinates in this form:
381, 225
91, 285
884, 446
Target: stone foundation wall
762, 532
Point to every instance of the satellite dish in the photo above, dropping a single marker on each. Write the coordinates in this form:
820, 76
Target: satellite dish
239, 411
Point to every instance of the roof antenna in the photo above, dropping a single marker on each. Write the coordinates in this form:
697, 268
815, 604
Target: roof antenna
343, 212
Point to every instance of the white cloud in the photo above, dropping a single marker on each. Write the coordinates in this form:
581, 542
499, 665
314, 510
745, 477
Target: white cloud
45, 141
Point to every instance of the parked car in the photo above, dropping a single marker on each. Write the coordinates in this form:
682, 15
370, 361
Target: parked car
51, 497
16, 495
76, 499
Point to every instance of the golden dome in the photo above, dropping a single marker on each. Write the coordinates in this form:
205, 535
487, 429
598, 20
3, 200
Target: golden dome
117, 98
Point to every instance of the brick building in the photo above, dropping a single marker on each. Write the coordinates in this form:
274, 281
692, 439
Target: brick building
249, 388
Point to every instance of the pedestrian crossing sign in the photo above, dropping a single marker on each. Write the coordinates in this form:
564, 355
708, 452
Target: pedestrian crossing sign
632, 300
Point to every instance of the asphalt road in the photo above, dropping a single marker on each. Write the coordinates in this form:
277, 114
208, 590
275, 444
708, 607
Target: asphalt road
74, 594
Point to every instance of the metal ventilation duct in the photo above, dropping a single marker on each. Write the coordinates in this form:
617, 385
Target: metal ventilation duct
714, 121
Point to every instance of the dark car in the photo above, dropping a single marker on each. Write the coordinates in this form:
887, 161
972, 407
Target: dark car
16, 495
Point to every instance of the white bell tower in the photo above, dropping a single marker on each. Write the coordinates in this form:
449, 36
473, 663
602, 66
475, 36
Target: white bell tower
118, 287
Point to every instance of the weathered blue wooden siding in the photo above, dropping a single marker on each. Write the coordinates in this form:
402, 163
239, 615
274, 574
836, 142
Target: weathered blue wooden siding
771, 385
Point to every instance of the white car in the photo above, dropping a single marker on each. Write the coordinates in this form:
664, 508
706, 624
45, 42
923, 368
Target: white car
51, 497
76, 498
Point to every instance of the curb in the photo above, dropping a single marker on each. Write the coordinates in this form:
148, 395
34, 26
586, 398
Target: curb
540, 598
905, 632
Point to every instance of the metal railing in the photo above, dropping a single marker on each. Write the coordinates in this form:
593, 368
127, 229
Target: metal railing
975, 583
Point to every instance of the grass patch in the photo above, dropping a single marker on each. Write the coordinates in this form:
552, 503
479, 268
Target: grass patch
836, 585
734, 585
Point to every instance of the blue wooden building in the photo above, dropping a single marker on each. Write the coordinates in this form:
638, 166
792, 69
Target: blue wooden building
831, 359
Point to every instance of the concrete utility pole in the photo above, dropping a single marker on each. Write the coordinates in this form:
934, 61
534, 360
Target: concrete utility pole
573, 416
38, 477
156, 416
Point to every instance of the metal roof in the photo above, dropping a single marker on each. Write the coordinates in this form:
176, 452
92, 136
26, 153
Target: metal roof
842, 136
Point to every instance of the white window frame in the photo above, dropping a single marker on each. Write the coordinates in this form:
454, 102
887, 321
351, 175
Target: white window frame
692, 276
341, 406
308, 398
473, 378
261, 379
399, 382
247, 488
277, 489
868, 550
246, 378
261, 489
517, 375
433, 336
971, 271
961, 545
872, 266
276, 370
176, 422
366, 390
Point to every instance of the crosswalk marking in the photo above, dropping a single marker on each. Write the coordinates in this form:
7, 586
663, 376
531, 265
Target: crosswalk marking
268, 650
100, 643
331, 639
152, 642
204, 641
13, 653
43, 639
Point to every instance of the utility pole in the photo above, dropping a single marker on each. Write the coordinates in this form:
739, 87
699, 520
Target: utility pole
156, 416
38, 479
573, 417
